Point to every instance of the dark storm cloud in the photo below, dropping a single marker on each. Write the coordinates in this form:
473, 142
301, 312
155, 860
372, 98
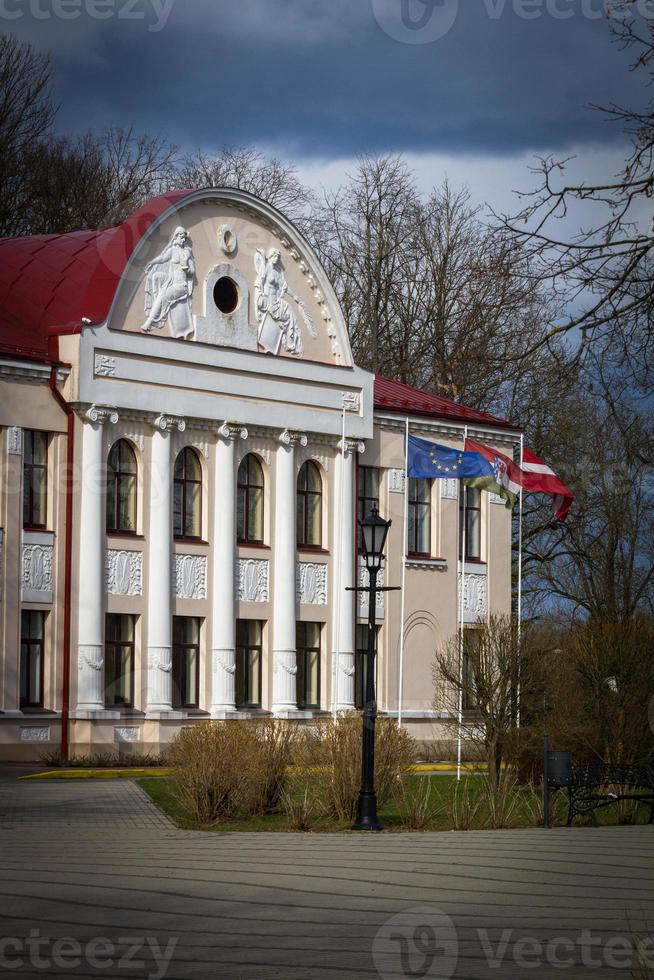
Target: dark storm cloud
324, 79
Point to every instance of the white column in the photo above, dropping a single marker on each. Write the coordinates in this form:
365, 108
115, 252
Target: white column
345, 558
224, 550
284, 589
90, 653
160, 652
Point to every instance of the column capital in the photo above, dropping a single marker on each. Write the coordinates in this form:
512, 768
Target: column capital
99, 414
232, 431
352, 446
290, 437
166, 423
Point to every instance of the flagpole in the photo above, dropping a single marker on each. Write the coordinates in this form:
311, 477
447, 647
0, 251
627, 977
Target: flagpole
404, 553
462, 577
522, 452
339, 597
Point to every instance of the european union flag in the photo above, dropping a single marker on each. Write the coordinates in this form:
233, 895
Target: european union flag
435, 462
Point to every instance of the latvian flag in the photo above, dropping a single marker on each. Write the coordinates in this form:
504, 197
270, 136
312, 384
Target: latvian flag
538, 477
506, 479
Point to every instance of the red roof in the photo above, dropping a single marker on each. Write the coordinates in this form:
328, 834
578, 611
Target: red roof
393, 396
48, 283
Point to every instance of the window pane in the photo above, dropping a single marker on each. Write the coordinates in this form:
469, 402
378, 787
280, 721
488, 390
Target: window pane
127, 502
312, 669
254, 664
111, 504
177, 509
190, 676
193, 509
423, 529
299, 527
255, 515
314, 519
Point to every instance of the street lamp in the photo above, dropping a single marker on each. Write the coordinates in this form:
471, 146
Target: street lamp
374, 531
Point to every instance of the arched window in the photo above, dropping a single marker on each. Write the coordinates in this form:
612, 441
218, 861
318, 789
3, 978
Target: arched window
309, 506
250, 501
187, 502
122, 476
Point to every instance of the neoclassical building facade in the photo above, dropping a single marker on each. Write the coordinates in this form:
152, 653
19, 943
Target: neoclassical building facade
185, 447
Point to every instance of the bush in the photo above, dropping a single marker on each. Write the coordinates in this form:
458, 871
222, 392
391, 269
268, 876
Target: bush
229, 769
332, 749
414, 801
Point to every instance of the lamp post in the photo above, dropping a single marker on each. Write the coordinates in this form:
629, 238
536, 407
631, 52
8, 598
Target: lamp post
374, 530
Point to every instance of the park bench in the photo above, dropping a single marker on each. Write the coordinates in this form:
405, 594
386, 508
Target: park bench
596, 785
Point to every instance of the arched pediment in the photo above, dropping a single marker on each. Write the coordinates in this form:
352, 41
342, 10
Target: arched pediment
221, 267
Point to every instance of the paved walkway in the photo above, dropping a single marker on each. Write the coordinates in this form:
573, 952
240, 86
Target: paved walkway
94, 866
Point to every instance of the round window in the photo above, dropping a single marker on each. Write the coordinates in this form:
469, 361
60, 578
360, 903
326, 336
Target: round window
225, 295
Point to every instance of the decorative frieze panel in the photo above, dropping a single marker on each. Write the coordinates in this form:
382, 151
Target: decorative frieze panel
363, 581
37, 572
252, 580
127, 734
496, 499
124, 570
105, 366
126, 430
190, 576
35, 733
312, 453
311, 583
15, 441
449, 489
351, 401
396, 481
474, 596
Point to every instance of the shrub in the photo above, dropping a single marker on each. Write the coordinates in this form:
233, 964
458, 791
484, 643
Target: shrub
332, 749
276, 746
303, 809
414, 801
464, 805
229, 769
210, 763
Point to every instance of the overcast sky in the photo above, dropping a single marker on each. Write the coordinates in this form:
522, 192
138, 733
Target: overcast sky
469, 87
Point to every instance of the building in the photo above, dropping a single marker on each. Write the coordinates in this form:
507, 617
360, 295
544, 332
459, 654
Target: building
184, 445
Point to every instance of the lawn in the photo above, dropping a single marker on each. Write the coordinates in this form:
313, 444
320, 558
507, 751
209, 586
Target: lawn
465, 809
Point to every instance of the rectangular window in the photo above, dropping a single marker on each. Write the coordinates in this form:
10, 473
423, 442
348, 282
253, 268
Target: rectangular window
32, 632
360, 662
308, 665
186, 662
472, 522
420, 517
35, 479
249, 655
368, 495
119, 661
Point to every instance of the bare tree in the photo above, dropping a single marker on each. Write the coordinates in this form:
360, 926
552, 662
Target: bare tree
96, 179
248, 169
604, 274
484, 677
27, 111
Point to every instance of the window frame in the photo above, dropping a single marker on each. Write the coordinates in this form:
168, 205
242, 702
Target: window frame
465, 514
116, 477
243, 490
366, 501
184, 481
26, 645
180, 650
414, 508
303, 496
29, 468
117, 646
243, 650
303, 650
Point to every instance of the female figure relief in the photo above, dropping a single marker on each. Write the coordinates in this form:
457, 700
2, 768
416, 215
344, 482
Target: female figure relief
169, 287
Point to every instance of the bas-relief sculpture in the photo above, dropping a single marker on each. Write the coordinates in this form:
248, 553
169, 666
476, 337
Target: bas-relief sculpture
169, 287
279, 314
278, 323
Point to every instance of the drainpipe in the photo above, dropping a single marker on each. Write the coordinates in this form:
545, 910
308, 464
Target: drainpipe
65, 696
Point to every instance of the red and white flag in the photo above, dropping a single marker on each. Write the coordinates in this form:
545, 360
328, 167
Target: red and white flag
538, 477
